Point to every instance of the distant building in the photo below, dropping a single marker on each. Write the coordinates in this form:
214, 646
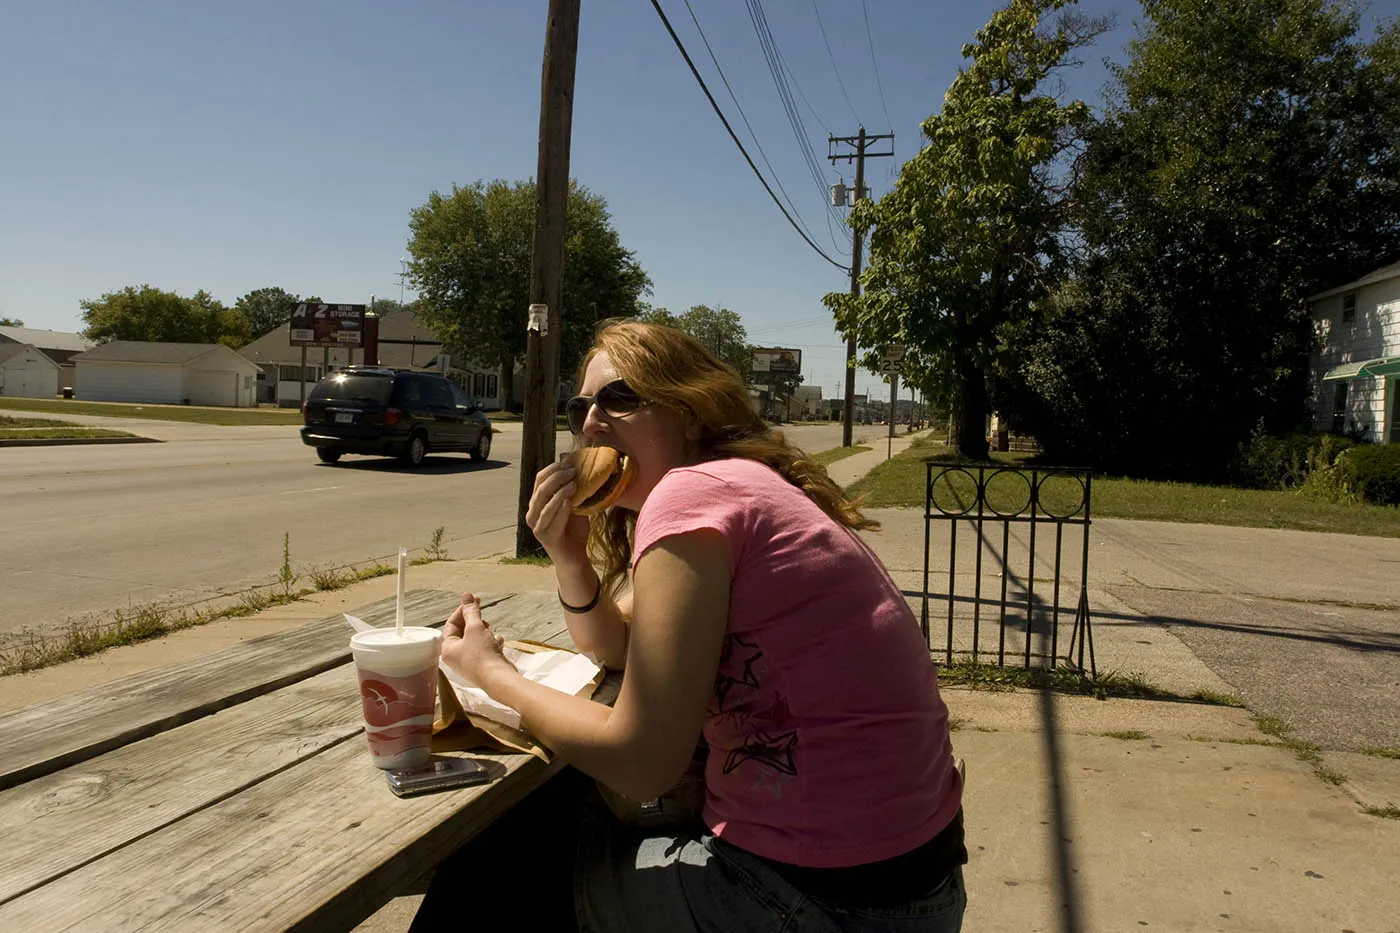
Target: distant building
26, 372
404, 343
166, 373
805, 404
57, 345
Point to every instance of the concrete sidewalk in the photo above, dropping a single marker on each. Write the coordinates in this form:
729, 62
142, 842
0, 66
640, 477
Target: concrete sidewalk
1082, 814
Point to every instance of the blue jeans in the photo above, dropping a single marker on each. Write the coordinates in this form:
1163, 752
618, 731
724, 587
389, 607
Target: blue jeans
628, 883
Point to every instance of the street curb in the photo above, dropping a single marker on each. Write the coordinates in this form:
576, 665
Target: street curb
68, 441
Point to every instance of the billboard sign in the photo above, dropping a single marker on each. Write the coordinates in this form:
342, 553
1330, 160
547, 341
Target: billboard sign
321, 325
777, 360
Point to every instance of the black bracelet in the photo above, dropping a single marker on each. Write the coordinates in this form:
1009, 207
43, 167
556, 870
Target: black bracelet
580, 610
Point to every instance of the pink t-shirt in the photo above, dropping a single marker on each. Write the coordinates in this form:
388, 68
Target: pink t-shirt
828, 740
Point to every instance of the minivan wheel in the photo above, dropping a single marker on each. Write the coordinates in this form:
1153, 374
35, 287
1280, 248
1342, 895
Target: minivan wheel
328, 454
417, 449
482, 450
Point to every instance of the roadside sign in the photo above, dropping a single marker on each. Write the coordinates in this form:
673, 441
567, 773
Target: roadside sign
777, 360
322, 325
892, 360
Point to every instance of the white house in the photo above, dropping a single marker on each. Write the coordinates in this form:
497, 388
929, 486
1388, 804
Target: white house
26, 372
1357, 363
805, 404
166, 373
57, 345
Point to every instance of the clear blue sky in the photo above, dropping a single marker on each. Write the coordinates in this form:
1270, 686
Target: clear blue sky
232, 146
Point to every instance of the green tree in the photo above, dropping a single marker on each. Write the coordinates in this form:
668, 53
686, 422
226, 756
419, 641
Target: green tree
383, 306
150, 314
266, 309
1248, 159
654, 315
11, 322
968, 240
719, 329
471, 269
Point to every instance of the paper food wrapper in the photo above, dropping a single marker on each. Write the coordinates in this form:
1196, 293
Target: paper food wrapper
468, 718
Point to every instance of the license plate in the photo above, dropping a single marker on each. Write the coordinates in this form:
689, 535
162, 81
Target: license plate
344, 417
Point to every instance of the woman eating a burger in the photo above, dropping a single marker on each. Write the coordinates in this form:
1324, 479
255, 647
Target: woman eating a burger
719, 568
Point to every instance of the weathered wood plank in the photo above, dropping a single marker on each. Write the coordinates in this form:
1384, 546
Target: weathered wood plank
313, 847
44, 737
58, 823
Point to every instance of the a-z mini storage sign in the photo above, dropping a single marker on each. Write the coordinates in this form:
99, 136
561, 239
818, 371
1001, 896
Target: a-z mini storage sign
328, 325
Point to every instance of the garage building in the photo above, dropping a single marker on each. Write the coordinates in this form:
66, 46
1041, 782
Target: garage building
25, 372
166, 373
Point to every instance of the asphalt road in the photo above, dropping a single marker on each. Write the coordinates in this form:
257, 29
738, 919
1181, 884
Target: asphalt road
89, 529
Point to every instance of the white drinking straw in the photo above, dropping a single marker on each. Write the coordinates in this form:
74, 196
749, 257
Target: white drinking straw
398, 603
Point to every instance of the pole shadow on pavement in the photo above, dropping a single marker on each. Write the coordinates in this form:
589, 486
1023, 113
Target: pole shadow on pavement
1070, 912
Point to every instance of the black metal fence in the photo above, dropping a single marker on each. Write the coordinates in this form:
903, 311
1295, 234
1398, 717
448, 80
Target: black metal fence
989, 501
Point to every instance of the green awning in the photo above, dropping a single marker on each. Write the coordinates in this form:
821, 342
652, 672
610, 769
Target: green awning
1386, 366
1345, 371
1381, 366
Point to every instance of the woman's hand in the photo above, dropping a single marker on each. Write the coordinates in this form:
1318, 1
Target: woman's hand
559, 531
469, 646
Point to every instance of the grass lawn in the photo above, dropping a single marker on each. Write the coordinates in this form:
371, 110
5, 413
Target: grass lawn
192, 413
828, 457
900, 482
12, 428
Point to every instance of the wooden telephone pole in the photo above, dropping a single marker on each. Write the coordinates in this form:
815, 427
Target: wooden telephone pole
859, 156
547, 257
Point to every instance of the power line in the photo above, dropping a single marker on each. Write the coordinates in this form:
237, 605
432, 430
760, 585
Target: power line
832, 58
784, 81
732, 135
754, 136
865, 11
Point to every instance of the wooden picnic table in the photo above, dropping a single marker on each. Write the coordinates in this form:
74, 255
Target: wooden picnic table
235, 791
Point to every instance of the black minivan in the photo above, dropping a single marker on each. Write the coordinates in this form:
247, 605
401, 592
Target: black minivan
393, 413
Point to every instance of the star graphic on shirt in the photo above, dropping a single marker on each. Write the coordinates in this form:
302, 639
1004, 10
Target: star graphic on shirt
749, 678
773, 751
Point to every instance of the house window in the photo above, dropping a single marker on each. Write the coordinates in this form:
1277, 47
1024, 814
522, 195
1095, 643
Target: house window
484, 386
1348, 307
1339, 409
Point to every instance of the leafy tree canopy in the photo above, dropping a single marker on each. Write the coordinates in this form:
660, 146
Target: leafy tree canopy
150, 314
267, 309
968, 239
1249, 159
471, 269
11, 322
719, 329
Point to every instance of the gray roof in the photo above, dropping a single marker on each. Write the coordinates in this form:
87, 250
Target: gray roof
144, 351
46, 339
1380, 275
8, 350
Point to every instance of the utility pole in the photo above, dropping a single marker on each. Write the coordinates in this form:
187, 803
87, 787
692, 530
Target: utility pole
859, 156
547, 257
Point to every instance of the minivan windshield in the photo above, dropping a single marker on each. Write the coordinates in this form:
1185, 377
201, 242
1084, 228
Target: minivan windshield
346, 387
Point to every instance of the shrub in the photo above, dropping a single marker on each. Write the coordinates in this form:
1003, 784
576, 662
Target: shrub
1328, 480
1267, 462
1375, 472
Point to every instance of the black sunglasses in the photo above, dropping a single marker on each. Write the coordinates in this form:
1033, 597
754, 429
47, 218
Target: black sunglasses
615, 399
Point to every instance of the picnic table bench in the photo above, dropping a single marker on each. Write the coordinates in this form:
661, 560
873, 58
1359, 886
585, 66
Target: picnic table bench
235, 791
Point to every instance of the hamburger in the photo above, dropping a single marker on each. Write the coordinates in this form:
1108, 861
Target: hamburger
603, 474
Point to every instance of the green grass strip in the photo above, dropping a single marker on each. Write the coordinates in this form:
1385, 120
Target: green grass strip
900, 483
185, 413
